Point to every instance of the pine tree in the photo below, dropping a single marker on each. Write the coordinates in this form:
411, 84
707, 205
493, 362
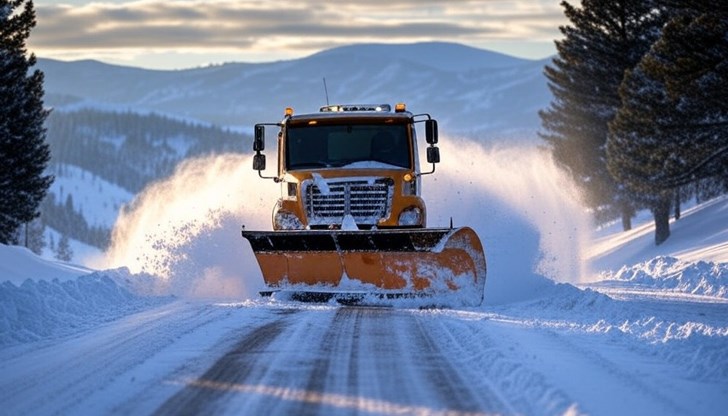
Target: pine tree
605, 38
34, 238
635, 146
691, 58
63, 251
23, 150
672, 128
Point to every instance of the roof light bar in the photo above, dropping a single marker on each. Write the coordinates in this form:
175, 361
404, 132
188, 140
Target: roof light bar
356, 107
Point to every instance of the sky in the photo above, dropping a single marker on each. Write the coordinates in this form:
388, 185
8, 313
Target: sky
175, 34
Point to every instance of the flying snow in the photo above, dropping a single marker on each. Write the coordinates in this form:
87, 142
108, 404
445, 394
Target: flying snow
522, 206
186, 228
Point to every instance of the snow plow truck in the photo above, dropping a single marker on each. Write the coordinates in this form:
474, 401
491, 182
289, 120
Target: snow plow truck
350, 224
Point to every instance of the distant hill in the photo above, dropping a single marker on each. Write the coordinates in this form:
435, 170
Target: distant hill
469, 90
100, 159
439, 55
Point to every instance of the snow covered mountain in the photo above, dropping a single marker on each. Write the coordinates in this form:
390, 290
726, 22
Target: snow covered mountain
469, 90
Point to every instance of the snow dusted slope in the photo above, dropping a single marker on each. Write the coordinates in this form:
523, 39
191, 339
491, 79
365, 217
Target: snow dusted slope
700, 234
693, 261
97, 199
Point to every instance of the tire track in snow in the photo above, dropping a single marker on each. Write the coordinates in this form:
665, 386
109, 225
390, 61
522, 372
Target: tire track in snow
341, 336
238, 365
387, 362
490, 366
457, 385
338, 361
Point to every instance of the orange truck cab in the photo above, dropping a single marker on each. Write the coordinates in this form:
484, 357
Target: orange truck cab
349, 167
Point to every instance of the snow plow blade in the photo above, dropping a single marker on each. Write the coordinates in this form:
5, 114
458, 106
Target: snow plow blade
439, 264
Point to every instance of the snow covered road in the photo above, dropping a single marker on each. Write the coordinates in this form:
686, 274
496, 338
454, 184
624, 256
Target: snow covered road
260, 357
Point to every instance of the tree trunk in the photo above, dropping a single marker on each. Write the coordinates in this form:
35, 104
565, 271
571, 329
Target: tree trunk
661, 212
677, 204
627, 213
626, 222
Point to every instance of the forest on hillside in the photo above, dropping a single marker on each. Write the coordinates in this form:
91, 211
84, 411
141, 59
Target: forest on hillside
128, 149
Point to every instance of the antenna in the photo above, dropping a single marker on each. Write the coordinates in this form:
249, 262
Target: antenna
326, 90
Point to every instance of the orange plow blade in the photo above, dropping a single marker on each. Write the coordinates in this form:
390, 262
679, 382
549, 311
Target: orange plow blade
349, 265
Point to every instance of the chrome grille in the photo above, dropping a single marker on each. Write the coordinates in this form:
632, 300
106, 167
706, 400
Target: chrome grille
366, 201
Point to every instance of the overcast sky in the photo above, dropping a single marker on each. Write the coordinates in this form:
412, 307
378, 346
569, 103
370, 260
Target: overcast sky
190, 33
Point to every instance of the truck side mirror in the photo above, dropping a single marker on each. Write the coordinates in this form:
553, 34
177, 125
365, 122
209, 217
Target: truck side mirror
259, 140
259, 162
431, 131
433, 154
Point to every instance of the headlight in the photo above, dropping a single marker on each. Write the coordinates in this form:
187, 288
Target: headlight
284, 220
411, 216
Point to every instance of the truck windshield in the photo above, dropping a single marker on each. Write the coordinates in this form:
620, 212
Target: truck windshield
321, 146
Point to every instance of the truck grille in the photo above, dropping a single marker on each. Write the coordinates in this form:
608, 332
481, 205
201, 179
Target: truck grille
366, 201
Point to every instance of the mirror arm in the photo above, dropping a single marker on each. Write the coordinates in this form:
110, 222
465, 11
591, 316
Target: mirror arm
427, 173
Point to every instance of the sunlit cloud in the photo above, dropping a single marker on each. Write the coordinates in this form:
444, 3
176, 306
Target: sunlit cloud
254, 30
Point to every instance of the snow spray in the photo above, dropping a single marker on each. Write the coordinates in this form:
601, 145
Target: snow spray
523, 208
186, 229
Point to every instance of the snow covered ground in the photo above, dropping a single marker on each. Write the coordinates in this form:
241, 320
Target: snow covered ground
572, 323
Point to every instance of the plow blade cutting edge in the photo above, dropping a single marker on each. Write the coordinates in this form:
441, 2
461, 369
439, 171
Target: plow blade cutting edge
350, 265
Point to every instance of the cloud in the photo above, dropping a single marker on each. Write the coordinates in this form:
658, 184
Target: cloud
297, 27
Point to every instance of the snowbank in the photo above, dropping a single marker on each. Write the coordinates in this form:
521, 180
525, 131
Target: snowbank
42, 299
666, 272
691, 335
18, 264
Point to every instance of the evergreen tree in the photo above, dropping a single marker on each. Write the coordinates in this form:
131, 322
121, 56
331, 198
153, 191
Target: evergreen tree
635, 148
34, 238
605, 38
672, 128
63, 251
23, 150
691, 58
31, 236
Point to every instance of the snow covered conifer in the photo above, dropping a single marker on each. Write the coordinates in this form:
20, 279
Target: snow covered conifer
635, 145
691, 58
32, 236
672, 128
23, 150
604, 39
64, 251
